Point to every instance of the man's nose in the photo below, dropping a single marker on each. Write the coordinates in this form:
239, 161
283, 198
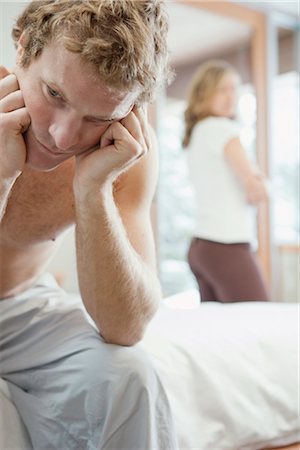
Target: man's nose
65, 131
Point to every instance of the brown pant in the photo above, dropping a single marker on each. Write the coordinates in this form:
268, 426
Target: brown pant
226, 272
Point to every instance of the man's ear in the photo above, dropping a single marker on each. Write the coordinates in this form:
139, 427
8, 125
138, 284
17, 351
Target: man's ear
20, 48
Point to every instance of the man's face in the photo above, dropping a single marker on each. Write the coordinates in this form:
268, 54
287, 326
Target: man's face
69, 108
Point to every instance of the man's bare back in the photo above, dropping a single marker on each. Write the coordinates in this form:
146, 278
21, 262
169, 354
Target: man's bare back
39, 210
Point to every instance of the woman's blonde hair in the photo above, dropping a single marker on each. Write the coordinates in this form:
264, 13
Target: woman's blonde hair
201, 90
123, 40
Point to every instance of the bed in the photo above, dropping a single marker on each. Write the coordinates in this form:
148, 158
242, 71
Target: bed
230, 371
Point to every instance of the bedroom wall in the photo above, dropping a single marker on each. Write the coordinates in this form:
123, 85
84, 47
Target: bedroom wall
239, 57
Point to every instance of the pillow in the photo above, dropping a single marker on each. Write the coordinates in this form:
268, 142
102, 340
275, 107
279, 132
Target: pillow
230, 372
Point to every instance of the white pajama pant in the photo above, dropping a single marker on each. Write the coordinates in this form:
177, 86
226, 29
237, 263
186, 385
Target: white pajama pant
72, 390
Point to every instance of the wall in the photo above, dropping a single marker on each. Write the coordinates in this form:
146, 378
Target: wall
240, 58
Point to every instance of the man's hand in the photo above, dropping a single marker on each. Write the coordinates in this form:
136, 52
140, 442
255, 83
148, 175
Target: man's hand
14, 120
121, 145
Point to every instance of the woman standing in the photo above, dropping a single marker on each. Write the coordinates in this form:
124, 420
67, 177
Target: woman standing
225, 184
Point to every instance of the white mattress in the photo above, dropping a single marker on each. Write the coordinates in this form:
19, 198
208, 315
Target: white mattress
231, 371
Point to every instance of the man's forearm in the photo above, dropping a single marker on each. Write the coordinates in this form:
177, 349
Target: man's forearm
120, 291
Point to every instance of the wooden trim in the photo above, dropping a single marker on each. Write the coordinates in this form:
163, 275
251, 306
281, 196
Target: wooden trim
226, 8
260, 71
289, 447
286, 248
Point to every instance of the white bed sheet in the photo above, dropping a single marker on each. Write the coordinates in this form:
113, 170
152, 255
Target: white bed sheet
231, 374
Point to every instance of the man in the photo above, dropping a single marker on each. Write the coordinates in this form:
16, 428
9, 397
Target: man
76, 148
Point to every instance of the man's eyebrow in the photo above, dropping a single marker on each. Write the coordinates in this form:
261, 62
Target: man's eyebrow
110, 119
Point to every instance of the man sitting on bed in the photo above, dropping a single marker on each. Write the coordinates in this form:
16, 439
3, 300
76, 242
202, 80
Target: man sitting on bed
76, 148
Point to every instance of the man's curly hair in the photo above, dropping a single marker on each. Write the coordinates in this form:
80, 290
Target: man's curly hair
123, 40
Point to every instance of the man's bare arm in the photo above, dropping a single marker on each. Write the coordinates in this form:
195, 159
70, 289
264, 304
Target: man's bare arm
115, 252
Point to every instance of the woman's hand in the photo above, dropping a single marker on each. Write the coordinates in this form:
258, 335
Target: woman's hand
256, 189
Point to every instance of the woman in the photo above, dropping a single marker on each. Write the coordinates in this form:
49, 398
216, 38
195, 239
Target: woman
225, 183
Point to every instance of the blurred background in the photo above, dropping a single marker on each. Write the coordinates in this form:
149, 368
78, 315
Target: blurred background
262, 41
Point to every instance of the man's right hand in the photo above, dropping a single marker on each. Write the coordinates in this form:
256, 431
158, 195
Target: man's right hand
14, 120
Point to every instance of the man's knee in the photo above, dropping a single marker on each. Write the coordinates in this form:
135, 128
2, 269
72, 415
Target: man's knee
117, 383
115, 365
116, 395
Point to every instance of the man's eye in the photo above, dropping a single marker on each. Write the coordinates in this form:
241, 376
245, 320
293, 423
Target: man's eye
52, 92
